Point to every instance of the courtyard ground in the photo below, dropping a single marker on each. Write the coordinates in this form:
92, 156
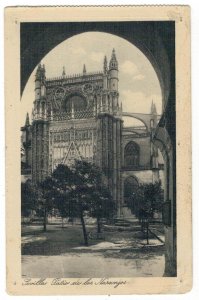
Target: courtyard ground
60, 252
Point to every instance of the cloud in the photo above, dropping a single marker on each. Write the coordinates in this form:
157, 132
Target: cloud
97, 56
79, 51
128, 67
139, 102
138, 77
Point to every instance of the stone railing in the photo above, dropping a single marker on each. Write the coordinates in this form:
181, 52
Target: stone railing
82, 114
75, 78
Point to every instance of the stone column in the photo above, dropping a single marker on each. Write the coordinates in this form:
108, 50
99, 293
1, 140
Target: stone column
34, 152
114, 161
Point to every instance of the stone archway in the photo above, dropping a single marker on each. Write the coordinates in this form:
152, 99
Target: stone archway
49, 35
163, 141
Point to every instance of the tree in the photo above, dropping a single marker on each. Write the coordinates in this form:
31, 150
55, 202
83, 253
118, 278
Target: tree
46, 199
86, 177
62, 186
80, 189
71, 192
28, 198
147, 198
154, 196
91, 193
102, 204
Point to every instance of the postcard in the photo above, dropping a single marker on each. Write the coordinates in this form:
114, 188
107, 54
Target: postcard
98, 150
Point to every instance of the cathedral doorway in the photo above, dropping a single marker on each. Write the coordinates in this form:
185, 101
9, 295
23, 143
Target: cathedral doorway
130, 188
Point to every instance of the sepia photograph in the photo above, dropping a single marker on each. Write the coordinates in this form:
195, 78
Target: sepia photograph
97, 127
92, 174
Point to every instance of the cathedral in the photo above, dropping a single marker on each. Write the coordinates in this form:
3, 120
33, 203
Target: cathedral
81, 117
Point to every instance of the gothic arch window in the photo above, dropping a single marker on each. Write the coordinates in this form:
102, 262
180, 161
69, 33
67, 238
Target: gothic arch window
131, 155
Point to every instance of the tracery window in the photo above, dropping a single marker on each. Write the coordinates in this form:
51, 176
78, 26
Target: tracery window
131, 155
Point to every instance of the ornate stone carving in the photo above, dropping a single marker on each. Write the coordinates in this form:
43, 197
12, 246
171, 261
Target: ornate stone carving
87, 88
59, 93
58, 98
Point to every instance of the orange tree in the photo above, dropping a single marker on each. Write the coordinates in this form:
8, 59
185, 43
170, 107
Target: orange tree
46, 199
102, 204
29, 196
146, 199
80, 189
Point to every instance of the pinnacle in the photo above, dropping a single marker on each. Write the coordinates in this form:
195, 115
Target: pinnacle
27, 123
113, 62
84, 69
113, 54
63, 72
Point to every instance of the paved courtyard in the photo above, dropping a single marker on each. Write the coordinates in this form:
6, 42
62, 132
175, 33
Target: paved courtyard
60, 252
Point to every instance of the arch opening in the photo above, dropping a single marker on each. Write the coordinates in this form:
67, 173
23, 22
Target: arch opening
131, 185
75, 102
141, 38
92, 53
154, 52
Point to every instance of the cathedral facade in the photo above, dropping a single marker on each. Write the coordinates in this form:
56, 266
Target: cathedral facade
81, 117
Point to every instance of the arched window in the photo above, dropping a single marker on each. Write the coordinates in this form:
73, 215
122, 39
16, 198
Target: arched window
131, 155
77, 102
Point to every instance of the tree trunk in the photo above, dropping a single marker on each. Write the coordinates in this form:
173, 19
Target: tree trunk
98, 225
45, 216
147, 232
62, 222
84, 230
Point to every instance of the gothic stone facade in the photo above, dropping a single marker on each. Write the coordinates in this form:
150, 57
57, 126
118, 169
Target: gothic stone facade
80, 117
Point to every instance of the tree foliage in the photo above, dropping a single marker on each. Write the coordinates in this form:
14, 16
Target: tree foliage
80, 190
28, 198
75, 192
46, 199
148, 198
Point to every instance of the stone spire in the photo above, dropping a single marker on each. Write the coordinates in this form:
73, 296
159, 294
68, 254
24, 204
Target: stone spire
121, 109
63, 72
153, 108
105, 65
27, 123
38, 72
84, 70
113, 65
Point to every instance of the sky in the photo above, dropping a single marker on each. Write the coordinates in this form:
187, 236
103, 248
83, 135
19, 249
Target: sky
138, 82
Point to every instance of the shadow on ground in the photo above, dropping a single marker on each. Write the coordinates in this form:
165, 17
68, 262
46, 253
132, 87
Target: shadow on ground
58, 241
